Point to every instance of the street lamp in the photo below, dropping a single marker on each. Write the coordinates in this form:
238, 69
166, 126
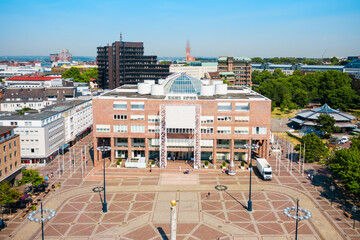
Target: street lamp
306, 214
51, 214
354, 209
250, 146
332, 188
104, 149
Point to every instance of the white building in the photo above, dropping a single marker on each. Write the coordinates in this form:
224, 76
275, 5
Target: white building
40, 135
194, 71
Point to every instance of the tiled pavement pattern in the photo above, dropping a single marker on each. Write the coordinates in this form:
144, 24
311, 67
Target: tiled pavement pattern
145, 214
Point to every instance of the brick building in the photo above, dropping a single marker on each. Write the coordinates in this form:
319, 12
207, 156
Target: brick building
10, 159
235, 70
125, 63
181, 118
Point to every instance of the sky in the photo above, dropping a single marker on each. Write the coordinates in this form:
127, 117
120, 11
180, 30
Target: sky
260, 28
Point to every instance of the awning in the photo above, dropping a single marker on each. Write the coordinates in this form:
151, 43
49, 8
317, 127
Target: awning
64, 146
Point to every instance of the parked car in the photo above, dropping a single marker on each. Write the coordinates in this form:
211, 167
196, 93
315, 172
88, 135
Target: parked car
344, 139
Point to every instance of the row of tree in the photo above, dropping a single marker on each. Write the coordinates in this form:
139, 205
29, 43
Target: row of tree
289, 60
10, 195
78, 76
343, 163
297, 90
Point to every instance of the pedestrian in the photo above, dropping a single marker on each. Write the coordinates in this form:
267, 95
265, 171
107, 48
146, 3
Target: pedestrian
150, 168
309, 176
312, 178
52, 175
207, 195
179, 168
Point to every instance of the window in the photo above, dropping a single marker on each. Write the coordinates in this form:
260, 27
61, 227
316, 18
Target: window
241, 130
223, 118
207, 119
15, 143
242, 106
15, 153
120, 128
10, 156
4, 148
207, 130
137, 106
32, 150
137, 128
0, 173
120, 117
224, 130
10, 145
153, 129
137, 117
15, 163
120, 105
153, 118
259, 130
10, 166
102, 128
224, 106
242, 119
5, 170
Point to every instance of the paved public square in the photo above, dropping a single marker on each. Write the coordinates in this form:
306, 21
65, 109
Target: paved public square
139, 205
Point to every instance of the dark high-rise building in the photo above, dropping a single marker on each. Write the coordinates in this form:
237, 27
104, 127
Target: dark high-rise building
125, 63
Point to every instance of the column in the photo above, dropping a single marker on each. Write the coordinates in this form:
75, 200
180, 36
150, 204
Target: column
214, 151
231, 149
112, 153
267, 149
146, 148
129, 147
96, 159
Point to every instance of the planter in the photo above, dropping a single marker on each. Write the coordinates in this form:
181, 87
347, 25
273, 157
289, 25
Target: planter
118, 166
206, 166
242, 167
224, 168
153, 166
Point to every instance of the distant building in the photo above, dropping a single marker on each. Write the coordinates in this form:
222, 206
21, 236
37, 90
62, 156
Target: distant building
10, 160
63, 56
35, 92
353, 68
353, 58
236, 70
289, 69
125, 63
188, 56
306, 119
197, 70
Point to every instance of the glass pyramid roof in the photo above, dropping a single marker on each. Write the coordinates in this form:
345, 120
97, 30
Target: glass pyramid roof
183, 84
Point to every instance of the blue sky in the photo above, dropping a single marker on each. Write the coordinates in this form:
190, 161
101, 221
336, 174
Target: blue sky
235, 28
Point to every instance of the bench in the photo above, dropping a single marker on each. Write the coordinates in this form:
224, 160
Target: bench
348, 215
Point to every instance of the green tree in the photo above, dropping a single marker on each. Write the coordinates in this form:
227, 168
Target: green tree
355, 142
315, 150
7, 194
345, 165
23, 110
300, 97
31, 176
326, 124
257, 60
73, 73
90, 73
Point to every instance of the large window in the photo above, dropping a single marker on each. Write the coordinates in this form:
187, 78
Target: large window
207, 119
259, 130
120, 117
102, 128
120, 105
241, 130
223, 130
207, 130
153, 129
137, 117
242, 107
223, 118
242, 119
137, 128
153, 118
224, 106
120, 128
137, 106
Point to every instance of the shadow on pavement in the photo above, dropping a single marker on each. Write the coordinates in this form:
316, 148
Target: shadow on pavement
162, 233
236, 200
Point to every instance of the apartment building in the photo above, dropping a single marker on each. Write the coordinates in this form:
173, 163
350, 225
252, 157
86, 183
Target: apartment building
10, 158
181, 117
236, 70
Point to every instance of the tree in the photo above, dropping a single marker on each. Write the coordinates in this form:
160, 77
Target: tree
257, 60
315, 150
23, 110
31, 176
355, 142
7, 194
73, 73
345, 165
326, 124
300, 97
90, 73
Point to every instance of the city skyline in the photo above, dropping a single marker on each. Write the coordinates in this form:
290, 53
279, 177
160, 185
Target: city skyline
237, 28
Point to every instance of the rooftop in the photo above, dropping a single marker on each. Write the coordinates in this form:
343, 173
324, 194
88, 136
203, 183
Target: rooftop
32, 78
35, 116
5, 129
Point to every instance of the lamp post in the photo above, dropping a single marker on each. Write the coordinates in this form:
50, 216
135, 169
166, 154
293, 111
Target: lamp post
297, 217
250, 146
104, 149
354, 209
42, 219
173, 224
332, 188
